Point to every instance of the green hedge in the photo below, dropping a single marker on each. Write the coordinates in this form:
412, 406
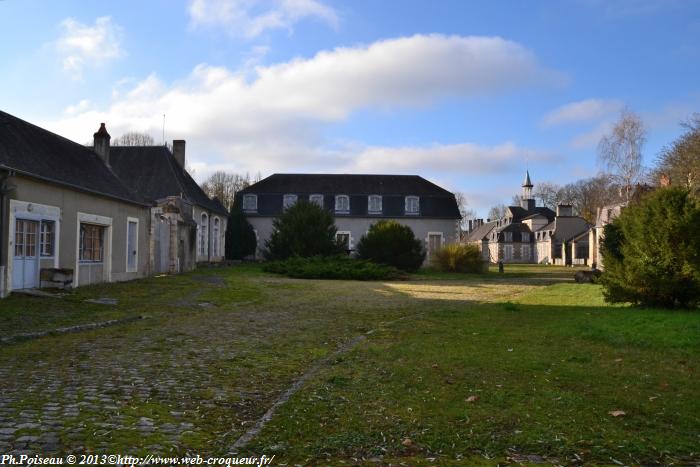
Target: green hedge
336, 267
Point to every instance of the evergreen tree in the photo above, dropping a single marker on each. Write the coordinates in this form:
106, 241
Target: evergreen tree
393, 244
240, 236
651, 252
304, 230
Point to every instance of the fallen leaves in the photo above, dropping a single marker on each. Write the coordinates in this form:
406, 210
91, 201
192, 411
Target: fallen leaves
472, 398
407, 442
617, 413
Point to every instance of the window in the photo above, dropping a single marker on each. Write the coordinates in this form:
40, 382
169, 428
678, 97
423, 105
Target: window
508, 252
25, 238
374, 204
412, 205
525, 237
215, 238
132, 239
203, 235
48, 229
342, 204
526, 253
91, 243
288, 201
316, 199
250, 202
508, 236
343, 238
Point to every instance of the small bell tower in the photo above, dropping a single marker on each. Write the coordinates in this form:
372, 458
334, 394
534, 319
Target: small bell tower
527, 201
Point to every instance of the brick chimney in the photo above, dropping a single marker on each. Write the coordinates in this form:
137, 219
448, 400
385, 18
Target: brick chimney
100, 143
179, 151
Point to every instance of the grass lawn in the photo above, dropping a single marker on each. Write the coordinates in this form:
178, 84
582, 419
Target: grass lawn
457, 369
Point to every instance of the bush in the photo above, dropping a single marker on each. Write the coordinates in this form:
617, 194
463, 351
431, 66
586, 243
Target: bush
336, 267
240, 236
651, 253
458, 257
305, 229
393, 244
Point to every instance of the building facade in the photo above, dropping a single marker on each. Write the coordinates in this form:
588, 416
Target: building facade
531, 234
357, 202
68, 217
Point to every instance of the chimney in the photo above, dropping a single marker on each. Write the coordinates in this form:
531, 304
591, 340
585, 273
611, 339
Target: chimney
527, 204
565, 210
179, 151
100, 143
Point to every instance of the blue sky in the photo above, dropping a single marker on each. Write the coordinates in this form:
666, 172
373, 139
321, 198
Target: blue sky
464, 93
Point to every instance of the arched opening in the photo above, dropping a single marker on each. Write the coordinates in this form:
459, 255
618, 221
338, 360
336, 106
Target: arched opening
204, 235
216, 238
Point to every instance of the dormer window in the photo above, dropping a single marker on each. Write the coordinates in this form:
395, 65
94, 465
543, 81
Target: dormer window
525, 237
316, 199
374, 204
412, 205
508, 236
288, 201
250, 203
342, 204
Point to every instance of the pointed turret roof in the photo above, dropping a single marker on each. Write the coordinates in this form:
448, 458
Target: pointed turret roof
527, 182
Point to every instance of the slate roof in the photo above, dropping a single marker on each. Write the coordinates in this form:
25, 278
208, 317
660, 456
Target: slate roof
551, 226
481, 232
153, 173
38, 153
520, 213
435, 202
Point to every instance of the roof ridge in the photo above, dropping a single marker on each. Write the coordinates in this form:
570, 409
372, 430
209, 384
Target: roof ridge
82, 146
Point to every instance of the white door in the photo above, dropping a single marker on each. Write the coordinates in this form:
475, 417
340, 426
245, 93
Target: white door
25, 268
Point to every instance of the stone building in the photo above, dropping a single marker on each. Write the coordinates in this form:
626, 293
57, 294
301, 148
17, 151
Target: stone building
529, 233
73, 215
356, 202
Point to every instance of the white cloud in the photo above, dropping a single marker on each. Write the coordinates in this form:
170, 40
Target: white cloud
82, 45
583, 111
463, 158
251, 18
271, 118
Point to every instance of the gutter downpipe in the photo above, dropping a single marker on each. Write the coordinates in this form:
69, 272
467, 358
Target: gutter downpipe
4, 190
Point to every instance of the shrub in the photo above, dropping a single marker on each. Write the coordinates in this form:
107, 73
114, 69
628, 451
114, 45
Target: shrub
651, 253
240, 236
335, 267
458, 257
305, 229
391, 243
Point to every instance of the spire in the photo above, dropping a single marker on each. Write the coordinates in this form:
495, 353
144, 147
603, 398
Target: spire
526, 201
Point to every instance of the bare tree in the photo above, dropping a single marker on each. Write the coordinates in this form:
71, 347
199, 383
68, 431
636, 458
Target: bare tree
134, 138
466, 212
680, 162
620, 152
224, 186
497, 212
546, 193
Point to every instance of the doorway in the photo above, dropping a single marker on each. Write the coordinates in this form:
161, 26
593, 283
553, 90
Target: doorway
25, 263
